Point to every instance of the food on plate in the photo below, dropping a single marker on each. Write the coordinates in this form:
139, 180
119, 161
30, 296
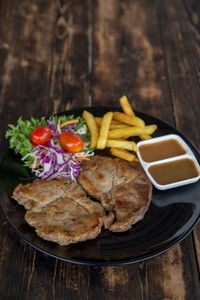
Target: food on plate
174, 171
121, 187
41, 135
158, 150
55, 147
52, 148
115, 126
89, 119
101, 143
128, 132
126, 107
145, 136
61, 212
60, 152
71, 142
130, 120
122, 153
124, 144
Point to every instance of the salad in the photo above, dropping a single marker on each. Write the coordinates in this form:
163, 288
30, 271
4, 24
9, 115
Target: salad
53, 147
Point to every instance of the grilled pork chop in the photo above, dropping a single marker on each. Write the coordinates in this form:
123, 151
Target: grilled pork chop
61, 212
120, 186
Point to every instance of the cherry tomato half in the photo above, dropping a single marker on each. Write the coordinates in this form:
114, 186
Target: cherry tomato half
41, 135
70, 142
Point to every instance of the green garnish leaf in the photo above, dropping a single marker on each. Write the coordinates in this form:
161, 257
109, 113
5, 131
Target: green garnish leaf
19, 135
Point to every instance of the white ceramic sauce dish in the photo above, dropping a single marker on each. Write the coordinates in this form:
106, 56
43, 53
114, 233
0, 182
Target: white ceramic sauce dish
173, 162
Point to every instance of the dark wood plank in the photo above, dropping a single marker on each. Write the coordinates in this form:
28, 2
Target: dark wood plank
44, 70
168, 276
179, 25
128, 57
181, 46
47, 66
29, 274
147, 50
133, 41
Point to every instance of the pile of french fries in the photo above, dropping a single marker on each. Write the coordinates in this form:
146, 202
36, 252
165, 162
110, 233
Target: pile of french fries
115, 128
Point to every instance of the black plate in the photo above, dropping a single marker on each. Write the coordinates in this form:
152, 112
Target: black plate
172, 215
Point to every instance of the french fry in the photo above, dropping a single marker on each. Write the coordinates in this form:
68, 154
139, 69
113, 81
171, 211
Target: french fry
131, 131
90, 121
145, 136
126, 107
113, 130
98, 121
117, 126
121, 153
124, 144
114, 122
101, 143
130, 120
113, 125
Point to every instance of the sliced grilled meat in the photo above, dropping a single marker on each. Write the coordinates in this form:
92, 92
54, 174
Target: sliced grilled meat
120, 186
60, 211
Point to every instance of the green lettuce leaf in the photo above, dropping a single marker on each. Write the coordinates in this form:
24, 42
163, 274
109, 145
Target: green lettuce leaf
19, 135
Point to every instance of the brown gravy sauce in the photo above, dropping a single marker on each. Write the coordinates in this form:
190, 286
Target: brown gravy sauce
173, 171
161, 150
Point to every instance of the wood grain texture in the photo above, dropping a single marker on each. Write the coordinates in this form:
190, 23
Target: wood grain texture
132, 48
44, 58
44, 70
56, 55
128, 56
135, 54
179, 23
183, 63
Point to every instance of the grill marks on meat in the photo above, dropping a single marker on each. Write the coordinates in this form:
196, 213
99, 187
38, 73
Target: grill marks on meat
61, 212
64, 222
131, 201
120, 186
96, 179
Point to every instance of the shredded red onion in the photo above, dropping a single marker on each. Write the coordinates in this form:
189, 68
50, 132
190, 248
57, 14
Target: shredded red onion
51, 161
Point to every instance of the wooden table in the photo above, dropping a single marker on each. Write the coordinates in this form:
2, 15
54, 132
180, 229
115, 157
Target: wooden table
57, 55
